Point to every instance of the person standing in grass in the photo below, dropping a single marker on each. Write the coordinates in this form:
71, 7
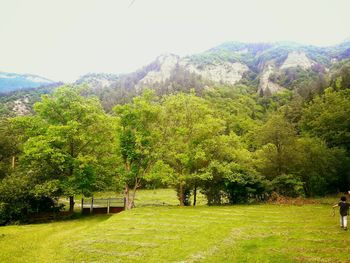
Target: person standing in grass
344, 211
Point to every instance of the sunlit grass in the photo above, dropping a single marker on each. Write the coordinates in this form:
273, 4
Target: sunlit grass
144, 197
242, 233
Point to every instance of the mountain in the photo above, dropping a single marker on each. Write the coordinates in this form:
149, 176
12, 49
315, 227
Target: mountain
98, 80
265, 67
13, 81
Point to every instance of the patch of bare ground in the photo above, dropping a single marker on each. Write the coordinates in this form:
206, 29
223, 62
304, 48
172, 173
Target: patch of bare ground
277, 199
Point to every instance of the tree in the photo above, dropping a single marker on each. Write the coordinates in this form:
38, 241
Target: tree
71, 143
8, 149
230, 174
138, 138
322, 169
327, 117
188, 124
277, 154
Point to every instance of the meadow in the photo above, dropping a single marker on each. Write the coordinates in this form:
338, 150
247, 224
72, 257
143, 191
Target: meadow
169, 233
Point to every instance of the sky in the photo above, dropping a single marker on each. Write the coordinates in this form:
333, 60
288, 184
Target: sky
64, 39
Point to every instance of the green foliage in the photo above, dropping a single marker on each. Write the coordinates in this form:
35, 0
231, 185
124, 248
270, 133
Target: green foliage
188, 126
8, 148
288, 185
225, 142
340, 77
304, 82
277, 153
20, 196
67, 147
322, 169
137, 140
327, 117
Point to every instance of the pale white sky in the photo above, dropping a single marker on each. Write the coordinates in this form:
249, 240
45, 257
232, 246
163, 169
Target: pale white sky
63, 39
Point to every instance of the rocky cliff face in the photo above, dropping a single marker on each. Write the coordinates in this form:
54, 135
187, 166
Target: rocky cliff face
98, 80
297, 59
222, 72
165, 66
267, 87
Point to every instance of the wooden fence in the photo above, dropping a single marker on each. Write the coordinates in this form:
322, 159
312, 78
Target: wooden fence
102, 205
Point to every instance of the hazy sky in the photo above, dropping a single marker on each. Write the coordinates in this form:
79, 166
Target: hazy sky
63, 39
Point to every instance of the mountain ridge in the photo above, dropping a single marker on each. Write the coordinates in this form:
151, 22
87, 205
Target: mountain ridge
231, 62
266, 68
10, 81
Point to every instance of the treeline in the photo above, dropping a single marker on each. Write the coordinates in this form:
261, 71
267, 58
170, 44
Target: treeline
229, 144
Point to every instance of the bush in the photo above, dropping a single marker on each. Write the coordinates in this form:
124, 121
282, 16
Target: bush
288, 185
232, 183
247, 189
213, 191
19, 198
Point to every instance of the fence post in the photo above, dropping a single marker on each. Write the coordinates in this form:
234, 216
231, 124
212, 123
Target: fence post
108, 204
124, 203
82, 205
92, 205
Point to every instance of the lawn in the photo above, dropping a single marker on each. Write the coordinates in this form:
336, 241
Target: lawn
241, 233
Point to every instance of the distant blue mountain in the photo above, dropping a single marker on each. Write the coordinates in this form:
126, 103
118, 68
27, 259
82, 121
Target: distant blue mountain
13, 81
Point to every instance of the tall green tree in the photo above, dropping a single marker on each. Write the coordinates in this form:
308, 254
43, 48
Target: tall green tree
72, 143
327, 117
188, 124
138, 138
277, 153
230, 173
322, 169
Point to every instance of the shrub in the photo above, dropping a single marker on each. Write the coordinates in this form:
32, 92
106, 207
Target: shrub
288, 185
19, 198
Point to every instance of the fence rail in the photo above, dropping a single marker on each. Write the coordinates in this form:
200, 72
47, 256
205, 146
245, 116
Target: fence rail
102, 205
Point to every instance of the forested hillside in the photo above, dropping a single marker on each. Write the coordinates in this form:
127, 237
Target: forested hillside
229, 143
20, 102
237, 123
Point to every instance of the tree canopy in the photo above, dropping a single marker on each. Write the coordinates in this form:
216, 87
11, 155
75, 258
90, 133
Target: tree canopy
228, 143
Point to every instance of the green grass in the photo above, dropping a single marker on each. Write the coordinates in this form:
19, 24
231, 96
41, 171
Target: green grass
242, 233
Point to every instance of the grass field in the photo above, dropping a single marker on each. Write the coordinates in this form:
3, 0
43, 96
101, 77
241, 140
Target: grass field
242, 233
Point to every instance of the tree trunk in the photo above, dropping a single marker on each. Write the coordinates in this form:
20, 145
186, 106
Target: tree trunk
71, 204
195, 195
127, 196
181, 195
132, 203
13, 162
131, 200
